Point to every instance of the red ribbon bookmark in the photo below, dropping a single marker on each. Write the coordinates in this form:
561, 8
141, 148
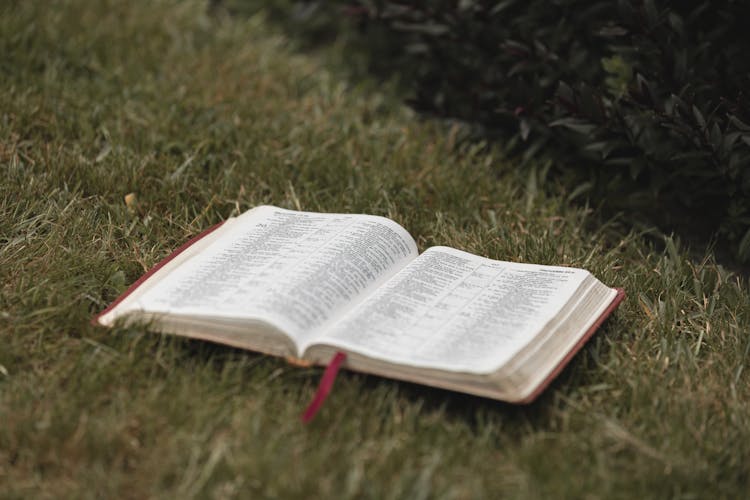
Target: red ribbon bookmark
326, 383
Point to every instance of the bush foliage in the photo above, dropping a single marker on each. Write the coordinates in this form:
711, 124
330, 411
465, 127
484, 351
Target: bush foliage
642, 103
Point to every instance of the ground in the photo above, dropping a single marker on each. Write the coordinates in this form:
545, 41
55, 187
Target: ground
196, 118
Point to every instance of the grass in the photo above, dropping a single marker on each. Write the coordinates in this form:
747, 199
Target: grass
202, 118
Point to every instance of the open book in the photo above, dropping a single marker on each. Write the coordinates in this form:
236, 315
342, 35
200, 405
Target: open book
306, 285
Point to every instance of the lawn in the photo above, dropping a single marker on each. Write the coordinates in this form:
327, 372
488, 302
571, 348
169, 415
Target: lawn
200, 118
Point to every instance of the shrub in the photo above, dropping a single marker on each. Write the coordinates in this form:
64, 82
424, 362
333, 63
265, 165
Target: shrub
640, 103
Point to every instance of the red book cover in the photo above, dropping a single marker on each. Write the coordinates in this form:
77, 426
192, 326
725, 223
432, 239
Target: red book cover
619, 297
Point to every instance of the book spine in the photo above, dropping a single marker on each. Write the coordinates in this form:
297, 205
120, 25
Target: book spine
153, 270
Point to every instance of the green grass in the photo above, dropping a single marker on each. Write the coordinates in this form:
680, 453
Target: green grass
203, 118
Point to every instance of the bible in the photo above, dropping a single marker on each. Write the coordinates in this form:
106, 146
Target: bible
305, 286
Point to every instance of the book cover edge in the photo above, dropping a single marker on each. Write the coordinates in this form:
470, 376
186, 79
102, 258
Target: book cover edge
571, 354
132, 288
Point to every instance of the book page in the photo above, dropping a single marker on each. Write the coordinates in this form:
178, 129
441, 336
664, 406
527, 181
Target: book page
295, 270
452, 310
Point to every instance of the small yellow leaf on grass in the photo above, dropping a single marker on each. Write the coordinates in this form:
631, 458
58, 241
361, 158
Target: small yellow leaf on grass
130, 201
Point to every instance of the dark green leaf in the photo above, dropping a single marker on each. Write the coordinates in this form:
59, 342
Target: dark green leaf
574, 124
